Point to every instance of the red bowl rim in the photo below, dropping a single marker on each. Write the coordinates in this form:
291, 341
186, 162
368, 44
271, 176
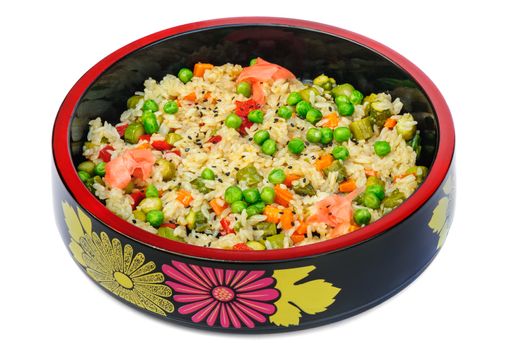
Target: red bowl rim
89, 202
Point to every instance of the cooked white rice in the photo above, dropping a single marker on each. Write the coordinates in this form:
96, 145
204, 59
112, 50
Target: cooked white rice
198, 122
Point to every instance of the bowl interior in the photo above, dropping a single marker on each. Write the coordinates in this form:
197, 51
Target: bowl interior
305, 52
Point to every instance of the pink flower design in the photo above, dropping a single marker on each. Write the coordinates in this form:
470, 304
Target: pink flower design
235, 297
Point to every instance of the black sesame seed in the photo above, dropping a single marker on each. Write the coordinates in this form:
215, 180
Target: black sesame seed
220, 180
250, 139
276, 120
187, 149
218, 100
236, 168
227, 173
189, 137
292, 125
290, 167
330, 109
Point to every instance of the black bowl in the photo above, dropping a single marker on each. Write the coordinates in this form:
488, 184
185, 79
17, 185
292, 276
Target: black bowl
253, 291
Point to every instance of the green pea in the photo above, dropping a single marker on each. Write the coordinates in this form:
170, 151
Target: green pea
252, 61
371, 200
340, 152
261, 136
232, 194
150, 105
185, 75
356, 97
238, 206
149, 121
302, 108
342, 134
346, 108
343, 89
244, 88
362, 216
285, 112
377, 190
293, 98
208, 174
269, 147
314, 135
100, 169
267, 195
251, 195
84, 176
151, 192
233, 121
341, 99
327, 135
155, 218
277, 176
382, 148
313, 116
132, 102
171, 107
255, 209
255, 116
87, 166
296, 146
172, 138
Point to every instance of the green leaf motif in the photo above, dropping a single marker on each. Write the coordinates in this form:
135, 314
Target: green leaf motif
309, 297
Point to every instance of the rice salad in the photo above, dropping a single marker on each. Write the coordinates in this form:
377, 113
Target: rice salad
252, 158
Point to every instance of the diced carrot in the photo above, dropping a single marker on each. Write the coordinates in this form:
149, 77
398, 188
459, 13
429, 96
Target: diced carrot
287, 219
143, 145
272, 213
290, 178
184, 197
347, 186
399, 177
353, 227
191, 97
207, 96
296, 238
324, 161
200, 68
370, 172
302, 229
331, 120
179, 103
390, 123
283, 196
218, 205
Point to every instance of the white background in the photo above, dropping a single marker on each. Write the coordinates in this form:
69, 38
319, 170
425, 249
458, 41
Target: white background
460, 301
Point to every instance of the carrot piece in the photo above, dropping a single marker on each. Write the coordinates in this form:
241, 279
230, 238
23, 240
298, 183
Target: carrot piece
179, 103
191, 97
390, 123
143, 145
331, 120
207, 95
272, 213
324, 161
184, 197
296, 238
370, 172
287, 219
347, 186
218, 205
353, 227
290, 178
283, 196
200, 68
302, 229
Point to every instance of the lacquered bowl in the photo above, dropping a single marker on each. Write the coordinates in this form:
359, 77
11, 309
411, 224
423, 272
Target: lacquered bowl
254, 291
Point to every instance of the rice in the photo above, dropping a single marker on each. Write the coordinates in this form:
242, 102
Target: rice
199, 121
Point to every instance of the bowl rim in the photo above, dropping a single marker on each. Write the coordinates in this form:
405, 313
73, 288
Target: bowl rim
70, 179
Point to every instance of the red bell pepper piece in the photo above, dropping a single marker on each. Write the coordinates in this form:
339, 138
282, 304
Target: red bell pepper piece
105, 154
241, 246
169, 224
145, 137
161, 145
137, 197
176, 151
242, 110
215, 139
121, 129
225, 223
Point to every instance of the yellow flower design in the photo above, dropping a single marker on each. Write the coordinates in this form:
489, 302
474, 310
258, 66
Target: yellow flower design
439, 222
114, 267
310, 297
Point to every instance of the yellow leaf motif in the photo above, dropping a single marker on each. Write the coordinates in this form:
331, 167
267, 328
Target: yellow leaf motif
439, 223
310, 297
